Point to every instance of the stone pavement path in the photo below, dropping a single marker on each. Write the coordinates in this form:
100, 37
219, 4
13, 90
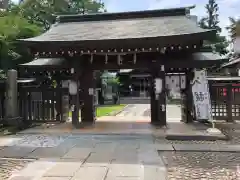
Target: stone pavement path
82, 157
135, 110
113, 157
69, 156
143, 111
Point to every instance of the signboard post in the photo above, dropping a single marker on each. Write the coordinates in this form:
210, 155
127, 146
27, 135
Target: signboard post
201, 96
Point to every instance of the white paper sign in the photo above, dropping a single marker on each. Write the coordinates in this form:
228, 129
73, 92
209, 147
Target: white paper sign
73, 88
183, 82
201, 96
91, 91
158, 85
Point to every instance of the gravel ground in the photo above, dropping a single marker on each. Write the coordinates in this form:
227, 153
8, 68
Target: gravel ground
202, 166
232, 131
207, 165
10, 166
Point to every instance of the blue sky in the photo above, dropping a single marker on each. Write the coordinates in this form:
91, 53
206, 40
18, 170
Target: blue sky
226, 7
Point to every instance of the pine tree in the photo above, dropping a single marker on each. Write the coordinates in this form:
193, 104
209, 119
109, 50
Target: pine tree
211, 21
234, 28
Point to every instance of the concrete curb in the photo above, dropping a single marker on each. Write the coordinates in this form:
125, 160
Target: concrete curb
203, 148
180, 137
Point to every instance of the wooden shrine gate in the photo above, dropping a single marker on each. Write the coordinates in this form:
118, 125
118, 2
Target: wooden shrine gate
126, 40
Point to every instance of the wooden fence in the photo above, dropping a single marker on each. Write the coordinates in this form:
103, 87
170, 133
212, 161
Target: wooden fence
41, 104
37, 104
225, 99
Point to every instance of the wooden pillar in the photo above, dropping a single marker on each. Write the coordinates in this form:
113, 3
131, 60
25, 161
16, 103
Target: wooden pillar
229, 103
87, 84
58, 100
75, 98
153, 101
188, 98
162, 98
158, 101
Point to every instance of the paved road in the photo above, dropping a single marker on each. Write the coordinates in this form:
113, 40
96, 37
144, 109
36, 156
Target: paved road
143, 111
136, 110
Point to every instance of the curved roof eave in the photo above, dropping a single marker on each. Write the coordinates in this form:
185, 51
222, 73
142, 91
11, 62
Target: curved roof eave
205, 35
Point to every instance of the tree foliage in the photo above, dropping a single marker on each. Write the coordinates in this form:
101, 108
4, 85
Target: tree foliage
234, 28
41, 11
29, 18
211, 21
14, 27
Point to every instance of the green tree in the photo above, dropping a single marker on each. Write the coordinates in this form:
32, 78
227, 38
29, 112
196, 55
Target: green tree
29, 18
84, 7
14, 27
41, 11
211, 21
233, 28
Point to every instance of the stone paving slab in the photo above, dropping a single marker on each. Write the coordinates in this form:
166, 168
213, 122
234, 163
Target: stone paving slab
99, 159
63, 169
16, 151
156, 146
21, 178
55, 178
90, 173
125, 170
154, 173
32, 171
85, 144
8, 140
39, 140
52, 152
151, 159
77, 153
125, 159
47, 153
124, 178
